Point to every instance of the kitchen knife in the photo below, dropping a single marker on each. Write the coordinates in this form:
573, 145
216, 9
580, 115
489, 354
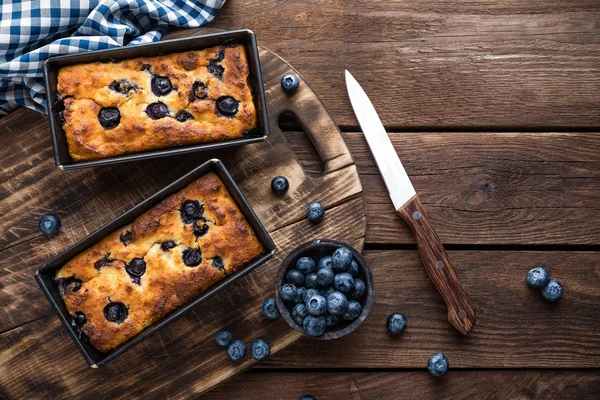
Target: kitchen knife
461, 313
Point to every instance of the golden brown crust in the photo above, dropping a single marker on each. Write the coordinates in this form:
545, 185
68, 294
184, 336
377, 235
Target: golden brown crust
85, 89
167, 282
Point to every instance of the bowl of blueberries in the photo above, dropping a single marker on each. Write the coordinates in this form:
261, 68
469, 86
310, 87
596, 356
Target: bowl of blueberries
324, 289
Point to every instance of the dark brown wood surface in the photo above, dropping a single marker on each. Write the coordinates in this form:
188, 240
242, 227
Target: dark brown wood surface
493, 107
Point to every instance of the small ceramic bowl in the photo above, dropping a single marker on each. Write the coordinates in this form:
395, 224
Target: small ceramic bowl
317, 249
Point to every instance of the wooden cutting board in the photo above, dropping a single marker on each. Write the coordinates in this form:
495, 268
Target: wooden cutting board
37, 356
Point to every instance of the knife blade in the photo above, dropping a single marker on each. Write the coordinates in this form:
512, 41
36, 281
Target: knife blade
461, 313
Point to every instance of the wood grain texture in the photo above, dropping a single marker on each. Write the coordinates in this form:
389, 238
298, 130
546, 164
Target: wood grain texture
440, 64
461, 313
456, 385
515, 327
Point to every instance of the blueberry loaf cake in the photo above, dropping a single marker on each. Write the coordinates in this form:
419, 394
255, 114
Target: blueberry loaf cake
115, 108
164, 259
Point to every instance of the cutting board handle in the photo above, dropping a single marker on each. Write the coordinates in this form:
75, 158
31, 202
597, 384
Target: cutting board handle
461, 313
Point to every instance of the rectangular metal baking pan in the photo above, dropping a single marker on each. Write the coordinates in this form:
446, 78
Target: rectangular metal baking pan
53, 64
45, 274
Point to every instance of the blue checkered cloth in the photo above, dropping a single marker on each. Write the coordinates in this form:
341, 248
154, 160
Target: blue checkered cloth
31, 31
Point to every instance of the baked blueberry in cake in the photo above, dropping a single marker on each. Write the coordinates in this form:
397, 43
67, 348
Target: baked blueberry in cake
142, 272
114, 108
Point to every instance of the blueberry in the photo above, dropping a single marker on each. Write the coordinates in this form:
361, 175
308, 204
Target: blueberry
223, 338
191, 211
353, 311
116, 312
124, 86
438, 364
326, 292
236, 350
126, 237
109, 117
316, 305
269, 309
106, 260
310, 282
227, 106
167, 245
310, 293
288, 292
183, 116
325, 262
325, 277
279, 185
79, 318
70, 284
359, 290
314, 326
192, 257
307, 397
157, 110
341, 260
299, 313
337, 303
344, 283
59, 107
396, 323
306, 265
260, 349
200, 230
136, 267
331, 320
538, 277
161, 85
353, 268
300, 292
215, 68
199, 91
296, 277
290, 82
552, 291
50, 224
315, 212
218, 263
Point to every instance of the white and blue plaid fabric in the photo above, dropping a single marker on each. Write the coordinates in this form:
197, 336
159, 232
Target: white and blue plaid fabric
33, 30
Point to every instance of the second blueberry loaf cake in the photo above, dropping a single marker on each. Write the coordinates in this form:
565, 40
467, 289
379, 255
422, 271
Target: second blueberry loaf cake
164, 259
114, 108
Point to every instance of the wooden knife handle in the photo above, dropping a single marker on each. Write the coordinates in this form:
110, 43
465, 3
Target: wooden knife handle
461, 313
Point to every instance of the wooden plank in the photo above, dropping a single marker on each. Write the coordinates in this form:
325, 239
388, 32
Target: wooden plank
455, 385
486, 187
515, 327
495, 63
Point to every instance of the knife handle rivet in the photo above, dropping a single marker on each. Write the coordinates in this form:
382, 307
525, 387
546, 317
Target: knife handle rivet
439, 264
462, 314
416, 215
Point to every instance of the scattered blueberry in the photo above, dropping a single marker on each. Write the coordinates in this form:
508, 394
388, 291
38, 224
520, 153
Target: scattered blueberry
359, 290
157, 110
299, 313
306, 265
331, 320
183, 116
269, 309
161, 85
236, 350
310, 281
136, 267
223, 338
325, 277
260, 349
106, 260
227, 106
344, 282
199, 91
353, 311
337, 303
296, 277
552, 291
218, 263
353, 268
325, 262
79, 318
438, 364
314, 326
124, 86
116, 312
191, 211
396, 323
538, 277
200, 230
49, 224
192, 257
109, 117
300, 292
290, 82
126, 237
316, 305
167, 245
288, 292
341, 260
307, 397
279, 185
310, 293
315, 212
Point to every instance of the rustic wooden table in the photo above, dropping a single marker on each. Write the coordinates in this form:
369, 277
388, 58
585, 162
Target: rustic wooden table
494, 108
